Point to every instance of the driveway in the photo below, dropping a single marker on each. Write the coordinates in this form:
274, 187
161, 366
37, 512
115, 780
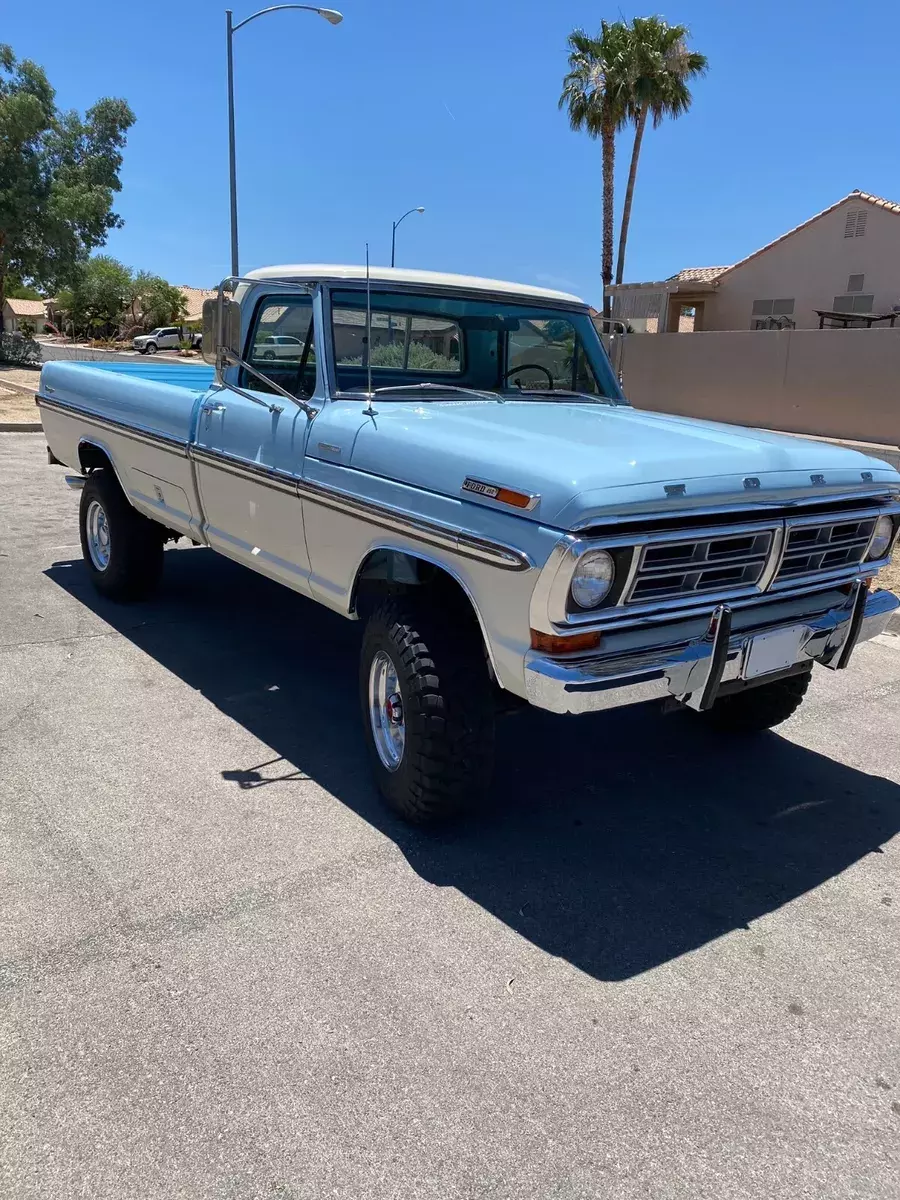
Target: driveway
53, 351
661, 965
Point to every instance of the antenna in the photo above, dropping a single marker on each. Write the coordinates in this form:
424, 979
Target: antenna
368, 329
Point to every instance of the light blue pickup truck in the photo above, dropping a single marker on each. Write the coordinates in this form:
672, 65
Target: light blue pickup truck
452, 460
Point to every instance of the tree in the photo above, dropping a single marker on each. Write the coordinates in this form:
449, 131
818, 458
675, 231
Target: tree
58, 176
156, 302
660, 67
100, 290
596, 96
20, 291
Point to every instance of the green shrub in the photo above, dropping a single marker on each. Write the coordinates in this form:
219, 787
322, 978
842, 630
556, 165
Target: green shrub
18, 350
421, 358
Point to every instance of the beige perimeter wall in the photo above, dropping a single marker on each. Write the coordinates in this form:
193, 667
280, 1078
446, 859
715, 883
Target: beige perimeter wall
834, 382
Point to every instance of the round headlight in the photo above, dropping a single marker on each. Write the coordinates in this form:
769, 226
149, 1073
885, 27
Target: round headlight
882, 535
593, 578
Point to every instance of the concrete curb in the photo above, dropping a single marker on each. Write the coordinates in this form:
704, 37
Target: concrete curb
894, 622
17, 387
21, 427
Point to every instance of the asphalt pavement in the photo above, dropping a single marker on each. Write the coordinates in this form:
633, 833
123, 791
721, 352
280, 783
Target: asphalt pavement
660, 964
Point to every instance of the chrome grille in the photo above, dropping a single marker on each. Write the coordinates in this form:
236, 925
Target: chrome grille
829, 546
696, 566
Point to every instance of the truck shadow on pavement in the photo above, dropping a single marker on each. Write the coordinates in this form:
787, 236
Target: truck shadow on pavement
616, 842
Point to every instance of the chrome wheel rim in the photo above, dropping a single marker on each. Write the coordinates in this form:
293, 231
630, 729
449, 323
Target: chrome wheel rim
386, 711
97, 535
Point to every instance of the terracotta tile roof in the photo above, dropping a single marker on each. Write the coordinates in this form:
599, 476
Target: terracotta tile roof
878, 201
856, 194
194, 298
27, 308
697, 275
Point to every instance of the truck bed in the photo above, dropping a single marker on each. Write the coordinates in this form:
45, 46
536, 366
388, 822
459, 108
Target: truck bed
158, 397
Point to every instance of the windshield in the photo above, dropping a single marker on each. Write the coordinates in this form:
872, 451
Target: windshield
508, 349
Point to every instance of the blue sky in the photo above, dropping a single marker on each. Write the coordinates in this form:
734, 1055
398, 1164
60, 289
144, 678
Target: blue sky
454, 107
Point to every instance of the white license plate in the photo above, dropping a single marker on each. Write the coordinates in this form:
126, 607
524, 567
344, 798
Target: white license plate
773, 651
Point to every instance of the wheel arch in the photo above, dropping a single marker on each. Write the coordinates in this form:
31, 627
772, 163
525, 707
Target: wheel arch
404, 568
94, 455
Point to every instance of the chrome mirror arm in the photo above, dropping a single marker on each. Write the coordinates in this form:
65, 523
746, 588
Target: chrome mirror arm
231, 359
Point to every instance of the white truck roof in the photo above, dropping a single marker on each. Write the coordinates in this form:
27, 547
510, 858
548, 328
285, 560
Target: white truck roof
331, 271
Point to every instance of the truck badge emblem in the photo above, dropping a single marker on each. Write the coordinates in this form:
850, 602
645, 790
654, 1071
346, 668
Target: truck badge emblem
676, 489
503, 495
817, 479
481, 489
751, 483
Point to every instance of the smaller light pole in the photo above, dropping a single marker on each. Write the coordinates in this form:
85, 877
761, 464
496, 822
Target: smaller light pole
394, 231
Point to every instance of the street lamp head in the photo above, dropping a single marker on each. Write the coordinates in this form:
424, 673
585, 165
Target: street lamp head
420, 210
331, 15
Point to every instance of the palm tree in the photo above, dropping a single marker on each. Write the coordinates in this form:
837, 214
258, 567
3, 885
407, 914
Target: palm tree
660, 68
596, 96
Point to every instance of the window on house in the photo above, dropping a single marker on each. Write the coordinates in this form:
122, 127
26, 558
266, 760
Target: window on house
856, 283
764, 310
855, 224
853, 304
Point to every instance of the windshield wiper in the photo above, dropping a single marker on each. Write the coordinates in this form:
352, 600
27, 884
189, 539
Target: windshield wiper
553, 393
438, 387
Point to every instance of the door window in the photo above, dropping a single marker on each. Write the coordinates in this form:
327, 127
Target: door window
281, 346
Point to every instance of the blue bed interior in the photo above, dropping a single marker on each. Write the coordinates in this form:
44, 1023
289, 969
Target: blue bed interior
196, 377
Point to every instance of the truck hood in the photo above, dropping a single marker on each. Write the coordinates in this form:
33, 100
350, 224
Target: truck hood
588, 461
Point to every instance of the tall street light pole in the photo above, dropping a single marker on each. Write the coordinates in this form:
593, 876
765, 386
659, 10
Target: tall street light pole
334, 18
394, 231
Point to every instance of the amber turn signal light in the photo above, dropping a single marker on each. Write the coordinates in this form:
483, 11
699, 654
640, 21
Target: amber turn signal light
550, 643
516, 499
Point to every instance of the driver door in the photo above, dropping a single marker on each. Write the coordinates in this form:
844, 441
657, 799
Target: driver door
250, 458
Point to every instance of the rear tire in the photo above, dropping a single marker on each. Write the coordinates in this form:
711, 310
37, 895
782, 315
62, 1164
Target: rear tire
123, 550
761, 707
431, 739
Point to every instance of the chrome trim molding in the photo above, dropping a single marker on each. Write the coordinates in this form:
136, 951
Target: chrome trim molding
271, 477
434, 533
137, 433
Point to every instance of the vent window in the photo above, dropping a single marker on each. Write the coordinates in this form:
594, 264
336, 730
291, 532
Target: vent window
856, 283
853, 304
772, 314
855, 224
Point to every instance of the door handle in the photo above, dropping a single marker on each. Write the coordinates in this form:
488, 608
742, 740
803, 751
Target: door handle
212, 408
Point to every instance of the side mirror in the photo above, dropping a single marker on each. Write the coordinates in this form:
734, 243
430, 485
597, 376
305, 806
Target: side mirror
221, 329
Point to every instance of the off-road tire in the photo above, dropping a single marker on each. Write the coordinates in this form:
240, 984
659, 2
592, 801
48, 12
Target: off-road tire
135, 542
447, 706
759, 708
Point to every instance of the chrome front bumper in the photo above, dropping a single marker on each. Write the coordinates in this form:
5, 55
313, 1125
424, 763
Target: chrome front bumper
694, 671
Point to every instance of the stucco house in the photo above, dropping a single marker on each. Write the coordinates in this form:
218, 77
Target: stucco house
844, 260
193, 298
33, 312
